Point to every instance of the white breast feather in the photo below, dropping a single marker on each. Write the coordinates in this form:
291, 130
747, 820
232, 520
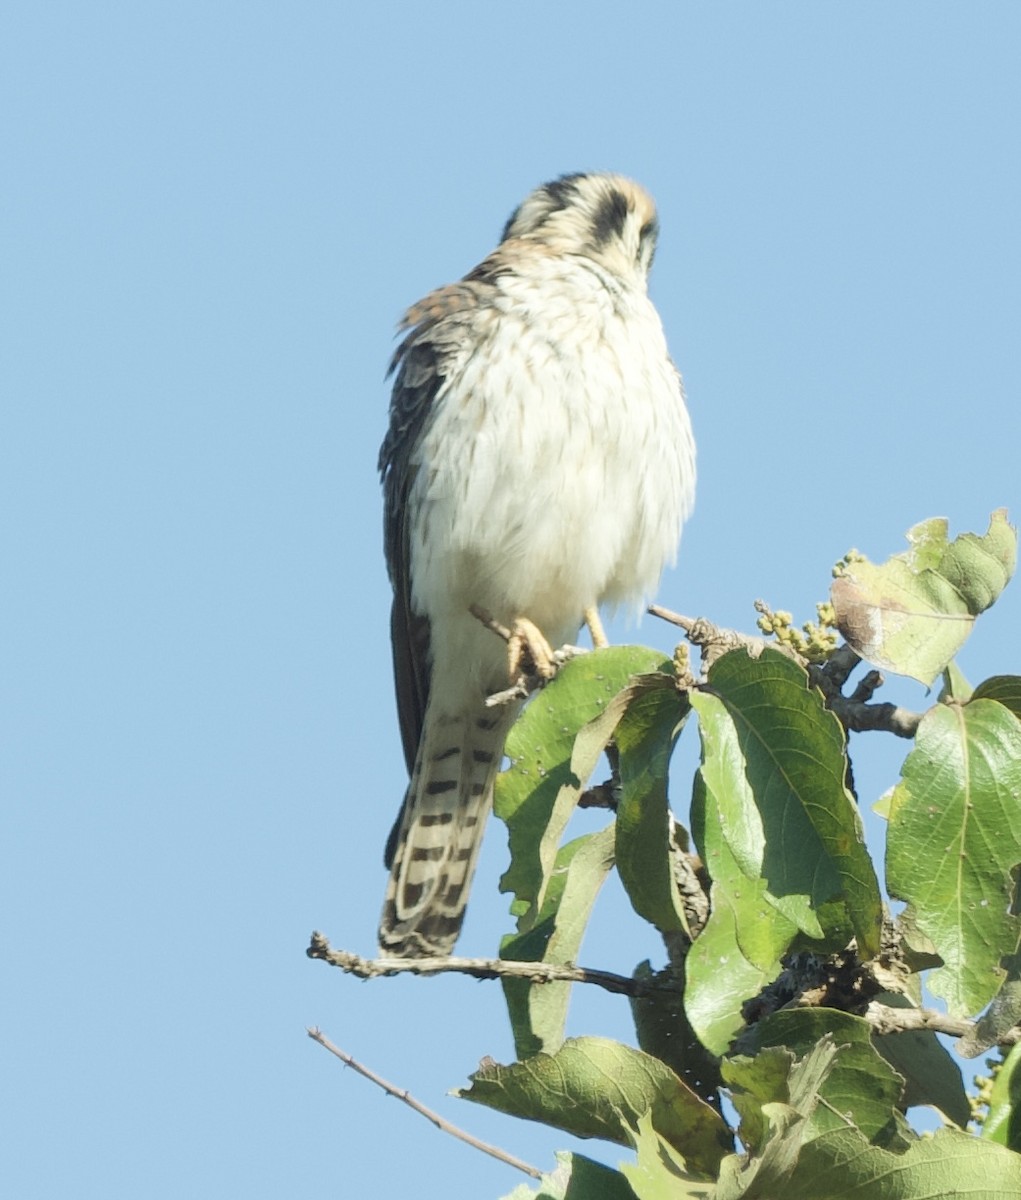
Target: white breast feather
557, 471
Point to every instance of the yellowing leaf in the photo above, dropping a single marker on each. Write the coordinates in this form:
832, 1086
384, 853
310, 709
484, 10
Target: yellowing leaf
912, 614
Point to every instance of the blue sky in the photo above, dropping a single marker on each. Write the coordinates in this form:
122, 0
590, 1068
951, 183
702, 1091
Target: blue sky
213, 216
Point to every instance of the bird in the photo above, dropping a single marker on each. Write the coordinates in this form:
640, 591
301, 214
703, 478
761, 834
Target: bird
539, 464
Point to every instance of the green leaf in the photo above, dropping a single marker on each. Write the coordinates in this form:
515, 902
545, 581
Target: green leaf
552, 755
955, 685
1005, 689
1003, 1013
665, 1032
802, 1159
739, 950
778, 832
931, 1076
594, 1087
774, 762
843, 1166
954, 840
538, 1011
645, 740
860, 1085
659, 1172
1003, 1121
912, 614
577, 1178
784, 1096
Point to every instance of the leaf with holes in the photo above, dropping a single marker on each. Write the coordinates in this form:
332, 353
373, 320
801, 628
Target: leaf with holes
574, 1178
912, 614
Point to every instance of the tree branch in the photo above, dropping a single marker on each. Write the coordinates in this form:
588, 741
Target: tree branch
860, 718
479, 968
445, 1126
712, 640
885, 1019
854, 712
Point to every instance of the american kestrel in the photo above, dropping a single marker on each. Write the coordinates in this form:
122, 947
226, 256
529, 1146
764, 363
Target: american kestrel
539, 463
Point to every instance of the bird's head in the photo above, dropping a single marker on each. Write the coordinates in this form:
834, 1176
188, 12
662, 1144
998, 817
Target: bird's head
607, 218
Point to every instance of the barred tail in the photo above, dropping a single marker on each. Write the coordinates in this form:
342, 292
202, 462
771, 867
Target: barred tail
438, 839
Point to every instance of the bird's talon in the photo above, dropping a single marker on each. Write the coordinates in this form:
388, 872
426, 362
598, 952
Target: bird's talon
528, 652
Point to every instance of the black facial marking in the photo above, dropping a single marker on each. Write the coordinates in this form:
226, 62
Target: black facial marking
647, 237
610, 218
561, 193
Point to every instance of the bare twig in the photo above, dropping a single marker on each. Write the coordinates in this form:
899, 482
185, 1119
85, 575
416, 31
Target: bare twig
890, 718
885, 1019
711, 639
854, 712
513, 695
479, 968
838, 667
667, 614
445, 1126
866, 687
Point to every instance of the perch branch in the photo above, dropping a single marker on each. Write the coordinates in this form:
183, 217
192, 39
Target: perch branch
402, 1094
479, 968
530, 679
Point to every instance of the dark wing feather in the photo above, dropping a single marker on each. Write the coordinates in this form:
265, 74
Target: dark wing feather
437, 330
415, 387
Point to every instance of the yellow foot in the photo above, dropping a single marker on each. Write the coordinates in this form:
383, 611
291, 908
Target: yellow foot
528, 652
595, 628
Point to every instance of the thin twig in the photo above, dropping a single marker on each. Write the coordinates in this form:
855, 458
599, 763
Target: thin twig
480, 968
402, 1094
713, 640
667, 614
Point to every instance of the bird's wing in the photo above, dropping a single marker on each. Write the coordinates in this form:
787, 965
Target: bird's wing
438, 328
417, 383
